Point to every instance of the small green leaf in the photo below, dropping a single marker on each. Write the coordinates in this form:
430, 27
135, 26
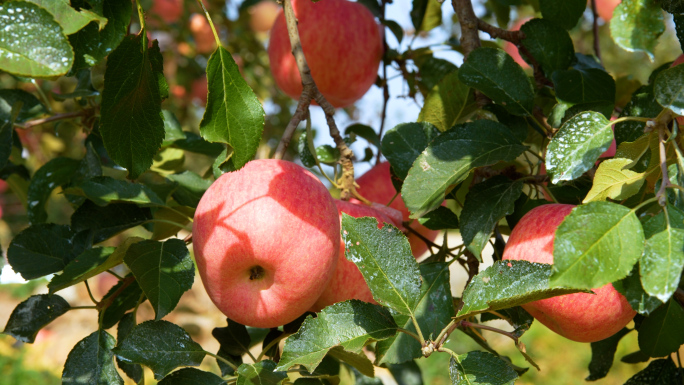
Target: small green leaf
433, 311
613, 181
104, 190
327, 154
661, 333
426, 14
33, 314
596, 244
262, 372
565, 14
70, 19
190, 189
451, 156
657, 372
234, 114
234, 341
365, 132
161, 346
41, 249
638, 299
305, 155
432, 70
602, 355
636, 25
662, 263
577, 145
384, 258
105, 222
186, 376
642, 104
350, 325
480, 368
585, 85
132, 125
497, 75
449, 102
164, 270
549, 44
88, 264
440, 219
403, 143
485, 205
406, 374
32, 43
507, 284
91, 361
197, 144
396, 29
669, 89
121, 298
134, 371
57, 172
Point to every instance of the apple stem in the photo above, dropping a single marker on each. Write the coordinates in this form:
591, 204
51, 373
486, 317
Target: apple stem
410, 333
268, 347
491, 329
90, 293
225, 361
143, 27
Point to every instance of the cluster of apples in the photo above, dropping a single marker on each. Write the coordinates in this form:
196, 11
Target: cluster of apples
268, 246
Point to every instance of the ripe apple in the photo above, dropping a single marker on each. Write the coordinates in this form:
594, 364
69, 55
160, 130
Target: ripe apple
581, 317
512, 49
202, 33
266, 240
348, 282
605, 8
342, 43
262, 15
376, 186
168, 10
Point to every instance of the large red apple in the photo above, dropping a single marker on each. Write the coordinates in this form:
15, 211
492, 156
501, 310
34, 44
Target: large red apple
376, 186
581, 317
262, 15
342, 43
266, 240
348, 282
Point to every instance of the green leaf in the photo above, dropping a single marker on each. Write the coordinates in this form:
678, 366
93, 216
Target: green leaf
134, 371
121, 298
132, 125
104, 190
57, 172
396, 29
190, 189
186, 376
662, 263
87, 265
172, 128
350, 325
577, 146
635, 357
105, 222
451, 156
432, 70
497, 75
485, 205
403, 143
679, 28
234, 341
426, 14
305, 155
440, 219
549, 43
596, 244
70, 19
197, 144
661, 332
565, 14
602, 355
433, 311
32, 43
656, 373
669, 89
636, 26
164, 270
507, 284
234, 114
657, 223
41, 249
642, 104
406, 374
613, 181
358, 361
33, 314
585, 85
384, 258
480, 368
327, 154
91, 361
31, 107
638, 299
262, 372
449, 102
161, 346
365, 132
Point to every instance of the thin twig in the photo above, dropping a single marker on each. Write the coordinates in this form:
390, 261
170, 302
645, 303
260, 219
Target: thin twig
385, 85
52, 118
597, 48
513, 36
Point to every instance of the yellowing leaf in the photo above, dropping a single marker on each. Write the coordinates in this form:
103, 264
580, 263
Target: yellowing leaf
613, 181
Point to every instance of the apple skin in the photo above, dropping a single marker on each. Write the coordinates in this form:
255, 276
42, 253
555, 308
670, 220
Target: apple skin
376, 186
262, 15
348, 282
580, 317
274, 219
168, 10
512, 49
202, 34
342, 43
605, 8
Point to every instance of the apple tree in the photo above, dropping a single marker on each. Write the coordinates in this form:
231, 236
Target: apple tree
522, 113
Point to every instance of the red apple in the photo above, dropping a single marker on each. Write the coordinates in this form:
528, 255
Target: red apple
376, 186
605, 8
348, 282
266, 240
202, 33
512, 49
168, 10
262, 15
342, 43
581, 317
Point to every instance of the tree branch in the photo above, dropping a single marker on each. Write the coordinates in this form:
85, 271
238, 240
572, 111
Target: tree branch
513, 36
